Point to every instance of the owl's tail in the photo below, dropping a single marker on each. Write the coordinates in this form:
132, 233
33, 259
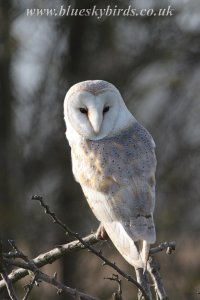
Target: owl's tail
144, 247
135, 252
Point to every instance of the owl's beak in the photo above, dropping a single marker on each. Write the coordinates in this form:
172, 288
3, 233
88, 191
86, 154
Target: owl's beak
96, 120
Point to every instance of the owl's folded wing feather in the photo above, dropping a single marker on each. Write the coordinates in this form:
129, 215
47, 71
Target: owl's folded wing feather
121, 191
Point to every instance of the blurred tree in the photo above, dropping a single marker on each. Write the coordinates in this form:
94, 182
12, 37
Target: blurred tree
154, 61
6, 123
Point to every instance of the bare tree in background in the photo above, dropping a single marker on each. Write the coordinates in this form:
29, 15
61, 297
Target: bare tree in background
155, 63
5, 115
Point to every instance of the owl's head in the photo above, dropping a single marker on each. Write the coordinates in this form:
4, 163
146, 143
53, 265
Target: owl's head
95, 109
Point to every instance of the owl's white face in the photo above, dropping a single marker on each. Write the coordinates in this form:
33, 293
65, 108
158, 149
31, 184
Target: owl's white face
96, 115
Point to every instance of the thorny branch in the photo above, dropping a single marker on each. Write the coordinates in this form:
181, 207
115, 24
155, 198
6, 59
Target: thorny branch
54, 254
154, 268
28, 288
39, 276
88, 246
142, 278
5, 277
45, 258
168, 246
51, 256
117, 295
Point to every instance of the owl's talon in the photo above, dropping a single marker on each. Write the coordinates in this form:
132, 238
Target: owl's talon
101, 233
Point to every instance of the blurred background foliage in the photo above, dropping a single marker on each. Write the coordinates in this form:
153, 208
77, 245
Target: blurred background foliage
155, 63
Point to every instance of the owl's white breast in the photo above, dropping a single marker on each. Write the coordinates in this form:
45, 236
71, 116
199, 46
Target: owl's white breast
74, 138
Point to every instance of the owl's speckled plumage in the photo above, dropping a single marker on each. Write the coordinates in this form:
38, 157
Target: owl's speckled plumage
117, 174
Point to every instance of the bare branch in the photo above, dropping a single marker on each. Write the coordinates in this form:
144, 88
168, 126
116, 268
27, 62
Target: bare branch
40, 276
45, 258
28, 288
52, 281
63, 288
53, 255
117, 295
56, 253
154, 268
61, 250
143, 280
85, 244
169, 246
5, 277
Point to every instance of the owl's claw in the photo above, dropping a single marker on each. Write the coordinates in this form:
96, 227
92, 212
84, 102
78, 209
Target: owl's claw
101, 233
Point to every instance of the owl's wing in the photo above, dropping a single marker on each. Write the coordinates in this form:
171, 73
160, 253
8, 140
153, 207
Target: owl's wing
121, 191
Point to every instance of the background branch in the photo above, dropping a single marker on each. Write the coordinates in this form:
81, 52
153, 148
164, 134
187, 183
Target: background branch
4, 275
88, 246
28, 288
169, 246
28, 264
56, 253
46, 258
143, 280
154, 268
12, 258
117, 295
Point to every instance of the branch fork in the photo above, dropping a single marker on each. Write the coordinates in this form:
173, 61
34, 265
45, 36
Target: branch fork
25, 266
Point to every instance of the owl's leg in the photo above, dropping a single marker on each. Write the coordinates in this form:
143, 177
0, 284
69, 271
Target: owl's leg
101, 233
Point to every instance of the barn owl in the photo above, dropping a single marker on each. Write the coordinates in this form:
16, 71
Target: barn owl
114, 161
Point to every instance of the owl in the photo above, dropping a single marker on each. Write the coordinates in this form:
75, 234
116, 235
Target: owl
113, 159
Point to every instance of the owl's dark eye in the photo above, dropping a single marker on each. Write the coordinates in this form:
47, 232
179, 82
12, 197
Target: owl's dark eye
83, 110
106, 108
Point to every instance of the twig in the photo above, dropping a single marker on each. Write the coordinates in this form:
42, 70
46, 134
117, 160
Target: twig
59, 251
28, 287
54, 254
46, 258
154, 268
5, 277
117, 295
9, 285
53, 281
169, 246
143, 280
97, 253
63, 288
40, 276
